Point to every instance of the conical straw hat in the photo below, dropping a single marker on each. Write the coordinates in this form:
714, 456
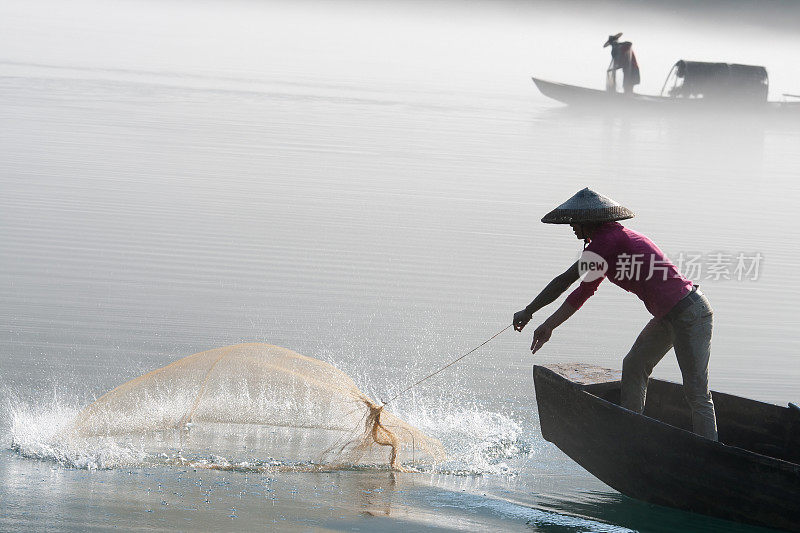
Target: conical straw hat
587, 206
612, 39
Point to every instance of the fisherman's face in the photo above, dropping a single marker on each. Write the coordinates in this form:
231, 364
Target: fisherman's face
579, 231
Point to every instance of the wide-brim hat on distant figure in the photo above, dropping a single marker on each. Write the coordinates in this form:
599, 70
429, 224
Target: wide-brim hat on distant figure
612, 39
587, 207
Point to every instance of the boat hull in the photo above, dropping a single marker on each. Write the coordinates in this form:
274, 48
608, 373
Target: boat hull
659, 463
586, 98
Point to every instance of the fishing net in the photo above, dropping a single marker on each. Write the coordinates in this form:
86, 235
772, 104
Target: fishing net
303, 404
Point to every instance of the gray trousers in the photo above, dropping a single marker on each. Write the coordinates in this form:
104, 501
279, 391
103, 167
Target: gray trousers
689, 332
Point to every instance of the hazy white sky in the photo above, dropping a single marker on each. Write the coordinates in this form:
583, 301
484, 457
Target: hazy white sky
425, 43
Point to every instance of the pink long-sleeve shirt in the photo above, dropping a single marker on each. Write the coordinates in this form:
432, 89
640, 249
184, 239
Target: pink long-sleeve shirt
637, 265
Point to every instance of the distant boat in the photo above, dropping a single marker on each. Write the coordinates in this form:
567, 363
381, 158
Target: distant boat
583, 96
690, 85
752, 475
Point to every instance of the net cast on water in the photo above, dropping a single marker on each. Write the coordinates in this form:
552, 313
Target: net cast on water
276, 401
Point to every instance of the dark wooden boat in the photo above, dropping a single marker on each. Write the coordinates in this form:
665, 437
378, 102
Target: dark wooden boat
596, 99
752, 475
690, 85
585, 97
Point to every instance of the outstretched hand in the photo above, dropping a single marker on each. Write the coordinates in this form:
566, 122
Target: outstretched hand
521, 319
540, 336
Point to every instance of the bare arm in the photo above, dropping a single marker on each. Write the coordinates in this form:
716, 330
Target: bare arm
542, 334
555, 288
549, 294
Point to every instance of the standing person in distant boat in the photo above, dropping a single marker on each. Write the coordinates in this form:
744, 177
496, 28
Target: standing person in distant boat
682, 316
622, 57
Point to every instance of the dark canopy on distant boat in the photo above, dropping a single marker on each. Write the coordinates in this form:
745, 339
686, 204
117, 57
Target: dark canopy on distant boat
697, 79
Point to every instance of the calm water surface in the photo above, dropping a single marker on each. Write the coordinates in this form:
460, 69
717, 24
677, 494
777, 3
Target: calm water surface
361, 183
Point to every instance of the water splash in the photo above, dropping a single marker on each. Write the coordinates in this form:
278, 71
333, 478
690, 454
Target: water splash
479, 441
245, 425
37, 430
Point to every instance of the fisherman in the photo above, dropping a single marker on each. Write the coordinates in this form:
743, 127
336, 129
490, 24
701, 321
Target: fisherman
622, 57
682, 316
